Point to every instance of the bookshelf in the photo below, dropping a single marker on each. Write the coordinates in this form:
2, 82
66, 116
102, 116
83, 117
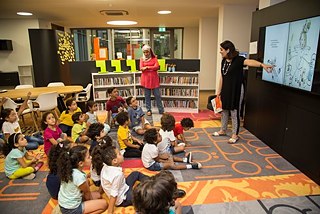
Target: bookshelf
179, 90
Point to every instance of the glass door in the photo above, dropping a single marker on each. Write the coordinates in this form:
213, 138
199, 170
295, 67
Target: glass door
162, 43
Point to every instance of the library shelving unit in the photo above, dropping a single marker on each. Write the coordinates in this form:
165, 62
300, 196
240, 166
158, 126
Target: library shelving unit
179, 90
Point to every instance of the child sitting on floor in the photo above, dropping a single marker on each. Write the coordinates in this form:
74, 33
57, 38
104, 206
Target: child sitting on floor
79, 129
115, 185
153, 160
138, 122
53, 181
156, 195
66, 122
97, 134
130, 145
169, 143
115, 105
18, 163
97, 162
75, 195
92, 108
184, 125
11, 125
52, 133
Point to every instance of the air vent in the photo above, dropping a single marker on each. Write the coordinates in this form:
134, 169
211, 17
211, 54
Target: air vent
114, 12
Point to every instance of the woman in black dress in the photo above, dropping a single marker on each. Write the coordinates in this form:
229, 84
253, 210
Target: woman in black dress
230, 88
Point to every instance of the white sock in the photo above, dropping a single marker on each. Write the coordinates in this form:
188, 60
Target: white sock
184, 160
189, 166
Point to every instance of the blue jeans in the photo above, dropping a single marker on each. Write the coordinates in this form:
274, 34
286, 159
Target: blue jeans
33, 142
157, 95
65, 129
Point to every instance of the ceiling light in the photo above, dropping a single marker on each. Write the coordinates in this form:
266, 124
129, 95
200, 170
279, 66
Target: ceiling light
127, 31
24, 14
122, 22
164, 12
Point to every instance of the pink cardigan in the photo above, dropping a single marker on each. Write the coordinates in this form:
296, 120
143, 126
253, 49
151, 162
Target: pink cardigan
149, 77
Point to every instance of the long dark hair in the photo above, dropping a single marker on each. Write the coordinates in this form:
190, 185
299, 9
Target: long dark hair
44, 118
54, 155
70, 160
97, 156
228, 45
13, 139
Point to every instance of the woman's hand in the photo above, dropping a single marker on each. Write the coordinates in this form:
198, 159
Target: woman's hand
144, 68
268, 68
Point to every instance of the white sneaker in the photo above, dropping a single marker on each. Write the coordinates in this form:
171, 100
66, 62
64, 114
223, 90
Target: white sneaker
181, 144
29, 177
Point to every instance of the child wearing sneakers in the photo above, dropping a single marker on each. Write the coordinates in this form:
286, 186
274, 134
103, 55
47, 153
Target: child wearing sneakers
130, 145
138, 122
18, 163
184, 125
153, 160
115, 105
115, 185
169, 143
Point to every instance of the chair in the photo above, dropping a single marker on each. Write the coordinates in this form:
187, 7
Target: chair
13, 105
54, 84
23, 86
84, 95
46, 102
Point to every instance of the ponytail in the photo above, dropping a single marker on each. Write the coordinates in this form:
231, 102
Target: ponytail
69, 161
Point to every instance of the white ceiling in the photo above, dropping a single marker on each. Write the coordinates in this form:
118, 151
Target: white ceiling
85, 13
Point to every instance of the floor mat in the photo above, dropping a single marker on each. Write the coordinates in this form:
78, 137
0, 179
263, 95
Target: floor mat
247, 177
203, 115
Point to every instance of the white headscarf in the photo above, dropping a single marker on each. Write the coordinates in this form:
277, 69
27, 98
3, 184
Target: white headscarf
147, 48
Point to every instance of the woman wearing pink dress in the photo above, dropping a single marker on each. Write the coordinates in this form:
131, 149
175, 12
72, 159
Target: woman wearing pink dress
149, 78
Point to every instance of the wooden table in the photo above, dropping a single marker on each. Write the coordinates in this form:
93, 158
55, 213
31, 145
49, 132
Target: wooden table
35, 92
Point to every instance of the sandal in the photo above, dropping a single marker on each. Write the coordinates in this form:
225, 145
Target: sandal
233, 140
217, 134
149, 113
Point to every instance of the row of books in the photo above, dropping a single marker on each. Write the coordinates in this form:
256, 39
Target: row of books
186, 92
107, 81
179, 80
104, 94
172, 104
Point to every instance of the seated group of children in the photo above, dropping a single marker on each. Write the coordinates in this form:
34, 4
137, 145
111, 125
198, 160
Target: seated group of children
66, 180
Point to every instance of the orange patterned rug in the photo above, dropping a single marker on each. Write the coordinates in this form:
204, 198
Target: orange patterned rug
247, 177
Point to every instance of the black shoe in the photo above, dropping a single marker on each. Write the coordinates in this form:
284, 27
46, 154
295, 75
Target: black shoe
189, 157
179, 193
196, 165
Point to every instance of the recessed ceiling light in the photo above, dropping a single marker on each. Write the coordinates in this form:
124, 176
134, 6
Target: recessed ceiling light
24, 14
122, 22
164, 12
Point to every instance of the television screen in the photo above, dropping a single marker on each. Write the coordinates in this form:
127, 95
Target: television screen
275, 48
294, 51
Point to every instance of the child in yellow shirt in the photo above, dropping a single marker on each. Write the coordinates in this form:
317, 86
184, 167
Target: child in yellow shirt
80, 128
131, 146
66, 122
